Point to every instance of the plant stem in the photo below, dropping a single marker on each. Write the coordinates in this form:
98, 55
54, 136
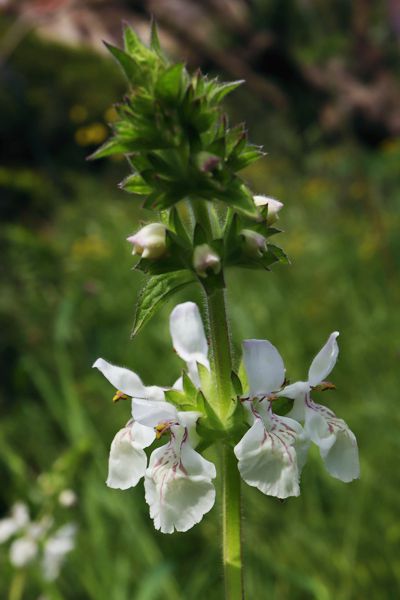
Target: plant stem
17, 586
220, 347
231, 515
221, 368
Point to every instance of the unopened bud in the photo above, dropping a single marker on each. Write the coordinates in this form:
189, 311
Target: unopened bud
206, 259
273, 207
150, 241
255, 244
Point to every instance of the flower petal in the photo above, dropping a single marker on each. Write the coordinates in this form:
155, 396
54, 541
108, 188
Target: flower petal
152, 412
264, 367
297, 392
325, 360
178, 485
23, 551
55, 550
127, 462
122, 379
187, 332
267, 459
336, 442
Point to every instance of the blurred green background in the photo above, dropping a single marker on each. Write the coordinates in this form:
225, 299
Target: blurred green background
323, 98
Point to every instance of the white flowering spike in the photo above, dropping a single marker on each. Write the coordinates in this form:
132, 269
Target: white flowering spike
178, 481
273, 207
268, 452
254, 243
56, 548
189, 339
205, 259
337, 443
127, 462
150, 241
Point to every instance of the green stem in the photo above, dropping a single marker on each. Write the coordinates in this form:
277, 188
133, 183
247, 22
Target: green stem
231, 515
204, 214
221, 367
220, 347
17, 586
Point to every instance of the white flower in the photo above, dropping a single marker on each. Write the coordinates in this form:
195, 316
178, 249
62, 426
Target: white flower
178, 482
67, 498
272, 452
188, 339
23, 551
254, 243
18, 519
274, 206
150, 241
206, 259
337, 443
56, 548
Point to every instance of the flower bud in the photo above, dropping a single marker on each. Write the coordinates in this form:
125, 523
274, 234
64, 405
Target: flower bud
150, 241
273, 207
206, 259
255, 244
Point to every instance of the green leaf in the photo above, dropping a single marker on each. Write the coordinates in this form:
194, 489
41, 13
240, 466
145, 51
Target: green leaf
135, 185
179, 399
129, 66
189, 388
170, 83
179, 228
132, 42
236, 384
279, 253
281, 406
112, 146
239, 197
155, 292
219, 91
154, 39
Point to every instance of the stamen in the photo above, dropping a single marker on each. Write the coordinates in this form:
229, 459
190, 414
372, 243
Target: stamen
161, 429
119, 396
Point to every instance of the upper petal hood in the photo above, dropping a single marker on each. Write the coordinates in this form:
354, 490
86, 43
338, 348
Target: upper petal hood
264, 367
122, 379
325, 360
187, 332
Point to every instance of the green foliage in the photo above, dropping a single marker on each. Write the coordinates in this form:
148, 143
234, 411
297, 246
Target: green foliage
156, 291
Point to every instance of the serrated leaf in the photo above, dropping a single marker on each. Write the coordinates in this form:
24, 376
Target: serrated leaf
155, 292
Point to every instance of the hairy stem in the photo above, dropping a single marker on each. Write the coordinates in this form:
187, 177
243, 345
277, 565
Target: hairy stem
222, 367
231, 515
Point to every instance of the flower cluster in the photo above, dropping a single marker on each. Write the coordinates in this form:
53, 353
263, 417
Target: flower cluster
178, 480
38, 540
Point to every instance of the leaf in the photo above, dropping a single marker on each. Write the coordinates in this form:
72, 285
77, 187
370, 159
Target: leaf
155, 292
170, 83
279, 253
135, 185
129, 66
236, 384
219, 91
180, 228
189, 388
112, 146
154, 39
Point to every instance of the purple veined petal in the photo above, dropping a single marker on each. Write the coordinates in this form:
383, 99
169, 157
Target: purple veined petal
264, 367
122, 379
267, 457
325, 360
127, 462
187, 332
178, 484
337, 443
151, 412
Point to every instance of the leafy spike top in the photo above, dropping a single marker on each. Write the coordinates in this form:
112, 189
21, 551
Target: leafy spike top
172, 128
